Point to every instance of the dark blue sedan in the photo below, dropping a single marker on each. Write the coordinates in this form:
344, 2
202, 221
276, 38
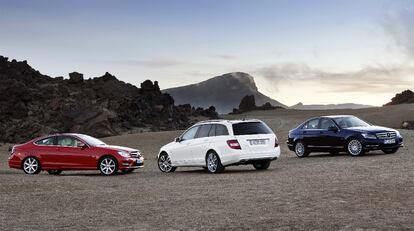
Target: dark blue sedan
342, 133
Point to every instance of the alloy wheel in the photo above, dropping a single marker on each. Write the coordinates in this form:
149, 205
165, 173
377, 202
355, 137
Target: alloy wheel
164, 163
31, 166
354, 147
108, 166
212, 162
300, 149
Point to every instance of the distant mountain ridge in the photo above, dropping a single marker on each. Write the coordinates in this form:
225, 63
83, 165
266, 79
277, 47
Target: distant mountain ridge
224, 92
301, 106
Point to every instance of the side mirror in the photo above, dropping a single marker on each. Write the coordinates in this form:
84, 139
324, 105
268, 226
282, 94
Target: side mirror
81, 145
333, 129
178, 139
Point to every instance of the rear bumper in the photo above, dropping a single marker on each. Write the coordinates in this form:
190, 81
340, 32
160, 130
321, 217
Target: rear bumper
238, 157
15, 162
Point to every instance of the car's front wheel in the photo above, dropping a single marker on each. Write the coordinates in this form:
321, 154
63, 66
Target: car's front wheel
389, 150
213, 163
54, 172
31, 165
301, 150
164, 163
355, 148
262, 165
108, 166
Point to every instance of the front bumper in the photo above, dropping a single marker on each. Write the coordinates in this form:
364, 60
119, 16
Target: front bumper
132, 163
377, 144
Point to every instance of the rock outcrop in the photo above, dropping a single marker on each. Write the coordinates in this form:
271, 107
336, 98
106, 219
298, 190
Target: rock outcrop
248, 103
32, 104
406, 96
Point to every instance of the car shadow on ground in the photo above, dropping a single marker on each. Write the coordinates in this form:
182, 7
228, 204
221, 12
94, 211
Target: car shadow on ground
226, 171
343, 154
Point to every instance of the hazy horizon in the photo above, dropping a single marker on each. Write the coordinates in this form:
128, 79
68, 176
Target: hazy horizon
330, 52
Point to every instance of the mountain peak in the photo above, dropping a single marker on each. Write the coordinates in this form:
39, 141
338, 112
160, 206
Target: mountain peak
223, 91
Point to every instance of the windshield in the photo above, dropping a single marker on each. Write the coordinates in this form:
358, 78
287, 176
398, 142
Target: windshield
250, 128
349, 122
91, 140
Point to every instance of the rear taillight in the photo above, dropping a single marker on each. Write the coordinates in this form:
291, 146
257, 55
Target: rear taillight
276, 143
233, 144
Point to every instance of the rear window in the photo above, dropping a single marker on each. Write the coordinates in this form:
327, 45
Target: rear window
250, 128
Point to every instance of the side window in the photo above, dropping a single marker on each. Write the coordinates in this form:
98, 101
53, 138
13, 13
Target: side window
190, 134
313, 124
326, 123
68, 141
212, 130
221, 130
46, 141
204, 130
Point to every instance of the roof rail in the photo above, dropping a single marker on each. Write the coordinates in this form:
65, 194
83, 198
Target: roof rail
209, 121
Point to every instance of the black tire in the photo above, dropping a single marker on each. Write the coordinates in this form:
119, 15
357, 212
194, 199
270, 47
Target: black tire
301, 150
262, 165
354, 147
108, 166
126, 171
164, 163
54, 172
31, 165
213, 163
389, 150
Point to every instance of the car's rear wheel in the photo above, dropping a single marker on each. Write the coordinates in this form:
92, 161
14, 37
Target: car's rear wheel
54, 172
262, 165
355, 148
389, 150
108, 166
301, 150
31, 165
213, 163
164, 163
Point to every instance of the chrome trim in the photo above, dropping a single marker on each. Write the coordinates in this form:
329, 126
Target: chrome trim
386, 135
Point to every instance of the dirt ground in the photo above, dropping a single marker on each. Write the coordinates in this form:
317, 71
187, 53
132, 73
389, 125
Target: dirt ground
321, 192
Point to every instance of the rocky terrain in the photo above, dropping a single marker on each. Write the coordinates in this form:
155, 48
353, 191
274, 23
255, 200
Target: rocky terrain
33, 104
404, 97
224, 92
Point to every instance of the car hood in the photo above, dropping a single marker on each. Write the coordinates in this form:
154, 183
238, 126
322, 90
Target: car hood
114, 147
371, 129
170, 144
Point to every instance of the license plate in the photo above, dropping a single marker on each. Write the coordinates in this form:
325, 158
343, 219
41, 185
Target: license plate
257, 142
389, 141
138, 161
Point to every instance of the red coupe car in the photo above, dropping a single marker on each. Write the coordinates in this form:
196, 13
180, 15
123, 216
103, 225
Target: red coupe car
58, 152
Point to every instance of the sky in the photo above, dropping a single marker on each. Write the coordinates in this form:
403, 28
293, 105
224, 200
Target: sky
309, 51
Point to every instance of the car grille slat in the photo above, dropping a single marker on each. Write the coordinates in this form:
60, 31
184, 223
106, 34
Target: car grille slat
386, 135
135, 154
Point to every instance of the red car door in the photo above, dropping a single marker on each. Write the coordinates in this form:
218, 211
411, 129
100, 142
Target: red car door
46, 150
74, 154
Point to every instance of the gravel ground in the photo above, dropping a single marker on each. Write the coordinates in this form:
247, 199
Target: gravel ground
321, 192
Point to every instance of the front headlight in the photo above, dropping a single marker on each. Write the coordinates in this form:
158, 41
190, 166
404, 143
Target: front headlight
398, 133
369, 136
124, 154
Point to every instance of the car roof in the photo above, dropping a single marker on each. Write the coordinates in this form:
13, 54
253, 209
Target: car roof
223, 121
336, 116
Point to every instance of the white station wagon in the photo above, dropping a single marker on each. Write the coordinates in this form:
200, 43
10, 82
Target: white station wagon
215, 144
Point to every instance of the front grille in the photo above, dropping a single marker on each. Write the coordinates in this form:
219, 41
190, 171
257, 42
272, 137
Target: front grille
386, 135
136, 154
